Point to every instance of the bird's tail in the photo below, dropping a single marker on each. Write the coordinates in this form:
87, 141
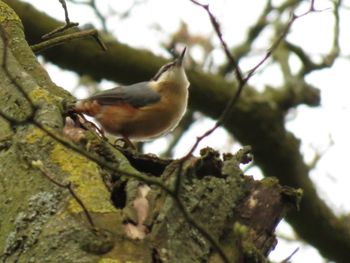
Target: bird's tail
89, 107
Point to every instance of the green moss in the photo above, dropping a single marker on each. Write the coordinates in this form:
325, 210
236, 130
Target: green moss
294, 196
86, 179
128, 251
6, 132
240, 230
269, 181
252, 254
7, 14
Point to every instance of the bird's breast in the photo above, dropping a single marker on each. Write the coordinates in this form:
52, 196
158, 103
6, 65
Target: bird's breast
155, 120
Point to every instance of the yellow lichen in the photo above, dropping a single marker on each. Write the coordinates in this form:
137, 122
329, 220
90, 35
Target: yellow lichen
7, 14
108, 260
39, 94
86, 179
35, 135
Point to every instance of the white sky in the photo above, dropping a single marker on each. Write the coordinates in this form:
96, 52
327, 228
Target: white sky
314, 126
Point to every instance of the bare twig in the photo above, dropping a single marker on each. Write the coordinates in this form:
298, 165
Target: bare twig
4, 64
284, 33
174, 193
274, 46
286, 260
69, 187
92, 4
185, 123
218, 32
252, 34
67, 38
242, 81
68, 24
150, 181
63, 3
213, 242
308, 65
239, 76
110, 166
59, 30
30, 118
320, 153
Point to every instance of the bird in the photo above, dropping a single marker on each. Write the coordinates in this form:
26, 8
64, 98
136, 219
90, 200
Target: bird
144, 110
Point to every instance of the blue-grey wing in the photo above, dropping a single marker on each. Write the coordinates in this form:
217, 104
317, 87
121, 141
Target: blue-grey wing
137, 95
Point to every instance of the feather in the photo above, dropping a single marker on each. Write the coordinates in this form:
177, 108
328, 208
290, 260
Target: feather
136, 95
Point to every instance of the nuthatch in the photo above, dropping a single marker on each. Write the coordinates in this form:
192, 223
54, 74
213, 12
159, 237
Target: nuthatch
143, 110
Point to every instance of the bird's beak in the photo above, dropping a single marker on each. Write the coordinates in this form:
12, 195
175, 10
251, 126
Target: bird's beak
181, 57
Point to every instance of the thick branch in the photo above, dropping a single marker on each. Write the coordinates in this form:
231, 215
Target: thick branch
256, 120
42, 222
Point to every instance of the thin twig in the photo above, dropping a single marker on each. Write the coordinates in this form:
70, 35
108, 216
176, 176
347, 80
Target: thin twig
68, 24
92, 4
67, 38
242, 81
239, 76
217, 29
252, 34
112, 167
273, 47
184, 125
281, 37
69, 187
4, 64
286, 260
59, 30
58, 138
213, 242
329, 59
63, 3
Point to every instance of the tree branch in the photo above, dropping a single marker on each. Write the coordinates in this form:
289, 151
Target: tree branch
254, 121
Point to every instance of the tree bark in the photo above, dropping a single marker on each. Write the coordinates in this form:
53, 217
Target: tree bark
65, 201
257, 120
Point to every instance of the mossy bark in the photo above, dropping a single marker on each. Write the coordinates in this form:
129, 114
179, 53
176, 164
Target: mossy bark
42, 222
258, 119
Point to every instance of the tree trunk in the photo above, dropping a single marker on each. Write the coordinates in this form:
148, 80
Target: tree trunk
87, 201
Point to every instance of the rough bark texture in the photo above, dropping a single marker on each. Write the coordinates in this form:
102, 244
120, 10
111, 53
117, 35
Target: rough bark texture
42, 222
257, 120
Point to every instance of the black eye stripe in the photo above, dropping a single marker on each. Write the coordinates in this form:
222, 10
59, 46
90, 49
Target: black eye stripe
163, 69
